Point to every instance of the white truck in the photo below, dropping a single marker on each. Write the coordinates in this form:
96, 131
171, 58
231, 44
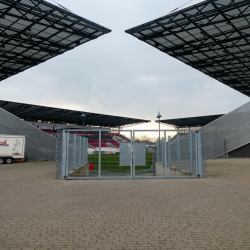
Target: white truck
11, 147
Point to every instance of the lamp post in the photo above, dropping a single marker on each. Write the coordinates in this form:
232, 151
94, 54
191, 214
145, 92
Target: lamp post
159, 117
83, 116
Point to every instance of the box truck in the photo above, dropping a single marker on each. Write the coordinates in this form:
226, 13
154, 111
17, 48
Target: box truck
11, 147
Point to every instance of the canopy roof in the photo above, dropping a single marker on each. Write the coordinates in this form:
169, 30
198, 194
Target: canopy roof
30, 112
198, 121
33, 31
212, 37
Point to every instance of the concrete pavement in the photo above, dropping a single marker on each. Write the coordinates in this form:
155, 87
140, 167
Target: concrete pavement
39, 212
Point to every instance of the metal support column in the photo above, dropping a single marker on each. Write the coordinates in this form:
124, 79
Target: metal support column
165, 155
80, 152
74, 151
169, 150
162, 150
86, 150
196, 153
178, 152
199, 154
64, 155
133, 156
191, 151
100, 157
131, 162
56, 156
158, 150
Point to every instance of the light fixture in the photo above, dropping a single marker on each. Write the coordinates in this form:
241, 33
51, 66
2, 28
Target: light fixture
159, 117
83, 116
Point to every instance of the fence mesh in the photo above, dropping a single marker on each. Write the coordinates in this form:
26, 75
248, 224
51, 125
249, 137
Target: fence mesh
39, 145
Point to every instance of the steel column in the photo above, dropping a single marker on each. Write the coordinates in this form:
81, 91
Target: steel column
131, 162
80, 151
133, 155
165, 154
199, 154
158, 150
169, 150
162, 150
99, 162
191, 151
178, 151
74, 151
86, 150
64, 155
196, 153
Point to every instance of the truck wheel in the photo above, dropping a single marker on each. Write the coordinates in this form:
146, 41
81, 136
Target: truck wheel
8, 160
1, 161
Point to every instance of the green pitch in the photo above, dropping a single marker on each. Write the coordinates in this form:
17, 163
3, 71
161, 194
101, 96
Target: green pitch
110, 163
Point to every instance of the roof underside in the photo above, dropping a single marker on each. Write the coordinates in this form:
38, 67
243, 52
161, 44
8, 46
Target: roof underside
31, 112
198, 121
33, 31
212, 37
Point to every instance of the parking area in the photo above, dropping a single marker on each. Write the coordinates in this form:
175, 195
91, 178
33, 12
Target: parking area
39, 212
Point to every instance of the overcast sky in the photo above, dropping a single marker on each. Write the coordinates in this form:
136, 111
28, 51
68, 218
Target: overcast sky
117, 74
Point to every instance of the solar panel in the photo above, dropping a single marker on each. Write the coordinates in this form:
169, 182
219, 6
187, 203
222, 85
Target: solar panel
33, 31
212, 37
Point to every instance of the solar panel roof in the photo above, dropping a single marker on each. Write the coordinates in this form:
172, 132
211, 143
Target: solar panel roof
212, 37
34, 113
33, 31
189, 122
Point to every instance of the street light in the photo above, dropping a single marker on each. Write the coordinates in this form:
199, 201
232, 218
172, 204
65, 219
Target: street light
159, 117
83, 116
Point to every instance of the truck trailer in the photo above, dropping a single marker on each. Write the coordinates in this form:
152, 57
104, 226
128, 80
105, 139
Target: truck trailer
12, 147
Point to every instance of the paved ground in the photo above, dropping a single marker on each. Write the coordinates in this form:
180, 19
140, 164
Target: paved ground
38, 212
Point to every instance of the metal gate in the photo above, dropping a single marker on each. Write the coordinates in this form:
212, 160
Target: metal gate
125, 154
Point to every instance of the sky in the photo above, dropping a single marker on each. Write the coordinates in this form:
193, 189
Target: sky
117, 74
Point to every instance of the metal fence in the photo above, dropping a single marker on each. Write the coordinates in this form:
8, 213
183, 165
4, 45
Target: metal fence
39, 145
72, 154
227, 133
181, 153
82, 154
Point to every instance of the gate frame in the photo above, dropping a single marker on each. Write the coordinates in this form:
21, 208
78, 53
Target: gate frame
65, 156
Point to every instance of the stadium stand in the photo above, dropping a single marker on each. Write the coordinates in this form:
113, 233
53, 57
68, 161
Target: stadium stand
190, 122
115, 143
35, 113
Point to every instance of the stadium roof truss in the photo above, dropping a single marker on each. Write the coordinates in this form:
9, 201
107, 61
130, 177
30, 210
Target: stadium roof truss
212, 37
190, 122
33, 31
29, 112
